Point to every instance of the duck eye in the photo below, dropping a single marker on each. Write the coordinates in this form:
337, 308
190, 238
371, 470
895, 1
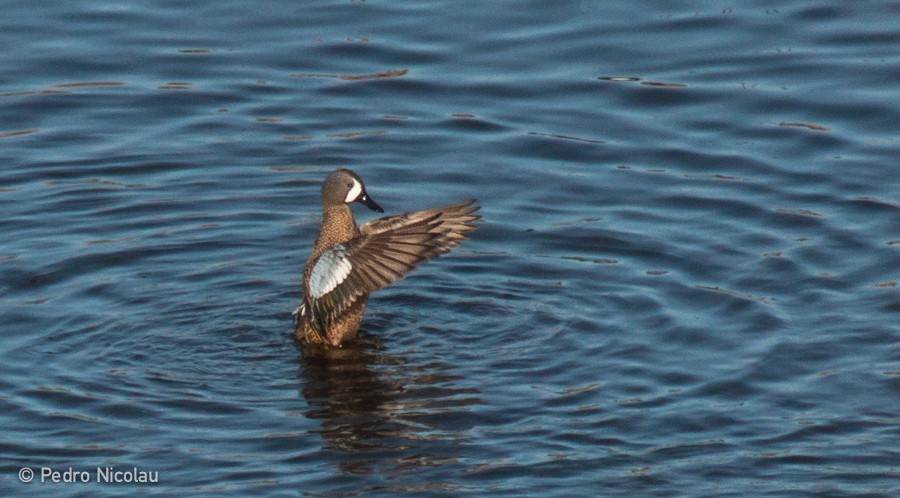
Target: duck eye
350, 185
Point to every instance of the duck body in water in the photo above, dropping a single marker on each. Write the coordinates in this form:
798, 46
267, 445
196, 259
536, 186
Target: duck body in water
349, 261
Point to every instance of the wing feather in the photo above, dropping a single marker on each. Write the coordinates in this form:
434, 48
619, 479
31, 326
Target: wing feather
385, 250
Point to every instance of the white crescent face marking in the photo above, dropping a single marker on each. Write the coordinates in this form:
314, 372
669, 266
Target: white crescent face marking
354, 192
332, 268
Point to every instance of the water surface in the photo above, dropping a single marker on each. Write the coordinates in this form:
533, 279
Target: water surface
686, 281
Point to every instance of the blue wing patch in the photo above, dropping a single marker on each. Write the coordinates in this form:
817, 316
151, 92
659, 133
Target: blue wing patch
330, 270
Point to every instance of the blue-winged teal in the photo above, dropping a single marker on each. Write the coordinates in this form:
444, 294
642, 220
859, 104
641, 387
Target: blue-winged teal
349, 262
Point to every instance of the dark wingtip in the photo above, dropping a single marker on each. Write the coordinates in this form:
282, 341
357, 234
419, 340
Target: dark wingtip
472, 208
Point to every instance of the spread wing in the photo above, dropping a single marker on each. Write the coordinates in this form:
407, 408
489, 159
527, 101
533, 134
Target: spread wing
385, 250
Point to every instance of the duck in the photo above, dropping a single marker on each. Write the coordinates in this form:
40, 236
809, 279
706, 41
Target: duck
348, 262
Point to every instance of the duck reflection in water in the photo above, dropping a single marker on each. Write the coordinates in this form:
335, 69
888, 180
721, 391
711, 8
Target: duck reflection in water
378, 413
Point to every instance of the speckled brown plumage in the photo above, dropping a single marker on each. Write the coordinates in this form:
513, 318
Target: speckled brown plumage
348, 262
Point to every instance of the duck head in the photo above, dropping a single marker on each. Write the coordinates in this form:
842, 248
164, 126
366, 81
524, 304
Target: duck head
344, 186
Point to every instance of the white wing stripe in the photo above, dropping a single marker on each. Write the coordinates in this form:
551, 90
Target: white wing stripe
330, 270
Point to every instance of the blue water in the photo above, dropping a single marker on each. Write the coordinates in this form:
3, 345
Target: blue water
685, 283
